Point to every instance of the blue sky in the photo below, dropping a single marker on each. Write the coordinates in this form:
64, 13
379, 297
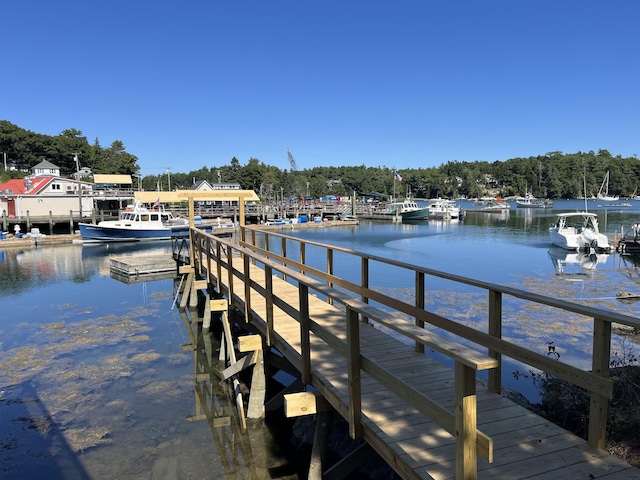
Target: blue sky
402, 84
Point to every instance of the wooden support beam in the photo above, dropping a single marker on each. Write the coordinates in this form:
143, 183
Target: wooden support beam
185, 269
319, 449
187, 289
347, 465
200, 284
193, 298
255, 408
300, 404
219, 305
242, 364
277, 400
206, 323
304, 403
249, 343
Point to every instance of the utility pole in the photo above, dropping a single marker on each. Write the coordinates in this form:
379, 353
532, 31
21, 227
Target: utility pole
75, 159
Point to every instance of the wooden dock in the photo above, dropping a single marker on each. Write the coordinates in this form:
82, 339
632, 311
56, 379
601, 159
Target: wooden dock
143, 265
425, 419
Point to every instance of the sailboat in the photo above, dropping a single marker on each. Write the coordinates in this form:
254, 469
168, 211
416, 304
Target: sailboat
603, 193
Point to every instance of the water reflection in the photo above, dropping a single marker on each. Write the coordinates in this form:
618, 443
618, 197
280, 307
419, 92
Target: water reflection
571, 264
31, 268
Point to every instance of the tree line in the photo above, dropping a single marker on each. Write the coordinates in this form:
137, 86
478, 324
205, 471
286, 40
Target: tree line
551, 175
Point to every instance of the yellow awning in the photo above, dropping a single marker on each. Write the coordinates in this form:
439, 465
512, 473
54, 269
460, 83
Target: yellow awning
183, 196
116, 179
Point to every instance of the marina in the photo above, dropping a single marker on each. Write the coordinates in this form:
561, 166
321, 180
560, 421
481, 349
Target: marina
523, 260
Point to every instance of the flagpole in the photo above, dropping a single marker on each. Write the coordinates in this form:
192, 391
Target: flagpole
394, 186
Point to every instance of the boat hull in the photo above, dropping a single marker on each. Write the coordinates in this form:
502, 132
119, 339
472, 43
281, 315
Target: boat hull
525, 204
420, 214
98, 233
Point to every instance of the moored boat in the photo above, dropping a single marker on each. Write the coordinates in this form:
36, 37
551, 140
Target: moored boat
603, 194
529, 201
496, 205
578, 231
408, 209
137, 223
444, 209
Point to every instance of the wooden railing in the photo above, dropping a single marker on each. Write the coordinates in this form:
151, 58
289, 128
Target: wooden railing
215, 259
596, 381
219, 258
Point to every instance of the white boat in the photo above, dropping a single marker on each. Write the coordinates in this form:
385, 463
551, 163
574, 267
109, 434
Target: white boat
496, 206
137, 223
578, 231
444, 209
603, 193
529, 201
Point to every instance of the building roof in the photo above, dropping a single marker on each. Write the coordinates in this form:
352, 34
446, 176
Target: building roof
19, 186
35, 184
45, 164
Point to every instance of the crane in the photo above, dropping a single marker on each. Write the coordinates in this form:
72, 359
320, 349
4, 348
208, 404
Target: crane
294, 167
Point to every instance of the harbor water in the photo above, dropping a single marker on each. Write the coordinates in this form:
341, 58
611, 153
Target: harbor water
94, 382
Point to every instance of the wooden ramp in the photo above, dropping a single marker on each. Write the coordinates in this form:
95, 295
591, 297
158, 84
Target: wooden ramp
524, 445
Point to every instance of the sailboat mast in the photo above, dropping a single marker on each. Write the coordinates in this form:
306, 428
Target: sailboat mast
584, 180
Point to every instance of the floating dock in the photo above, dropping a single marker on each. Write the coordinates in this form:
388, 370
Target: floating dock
143, 265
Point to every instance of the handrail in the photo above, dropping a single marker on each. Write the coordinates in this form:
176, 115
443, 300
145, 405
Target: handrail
461, 423
597, 381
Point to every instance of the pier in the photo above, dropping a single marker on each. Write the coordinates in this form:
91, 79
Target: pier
403, 377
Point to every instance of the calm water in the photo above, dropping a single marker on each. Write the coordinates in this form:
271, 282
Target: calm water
94, 383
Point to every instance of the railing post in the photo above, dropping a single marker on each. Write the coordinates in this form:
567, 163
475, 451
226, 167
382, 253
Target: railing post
495, 330
246, 261
253, 241
219, 266
268, 282
329, 271
208, 247
201, 249
303, 254
354, 366
305, 327
283, 251
230, 274
599, 405
364, 280
465, 423
419, 300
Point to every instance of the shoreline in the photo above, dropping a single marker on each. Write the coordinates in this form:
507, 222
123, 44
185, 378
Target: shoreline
68, 239
31, 242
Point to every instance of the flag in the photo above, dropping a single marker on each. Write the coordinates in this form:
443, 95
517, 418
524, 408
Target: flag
157, 204
396, 176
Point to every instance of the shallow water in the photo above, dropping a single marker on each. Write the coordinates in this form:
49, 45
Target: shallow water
93, 380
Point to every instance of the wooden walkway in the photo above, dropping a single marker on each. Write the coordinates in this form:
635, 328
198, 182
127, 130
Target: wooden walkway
524, 445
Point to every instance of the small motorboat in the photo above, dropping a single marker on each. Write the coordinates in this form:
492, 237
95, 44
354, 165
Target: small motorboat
579, 231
